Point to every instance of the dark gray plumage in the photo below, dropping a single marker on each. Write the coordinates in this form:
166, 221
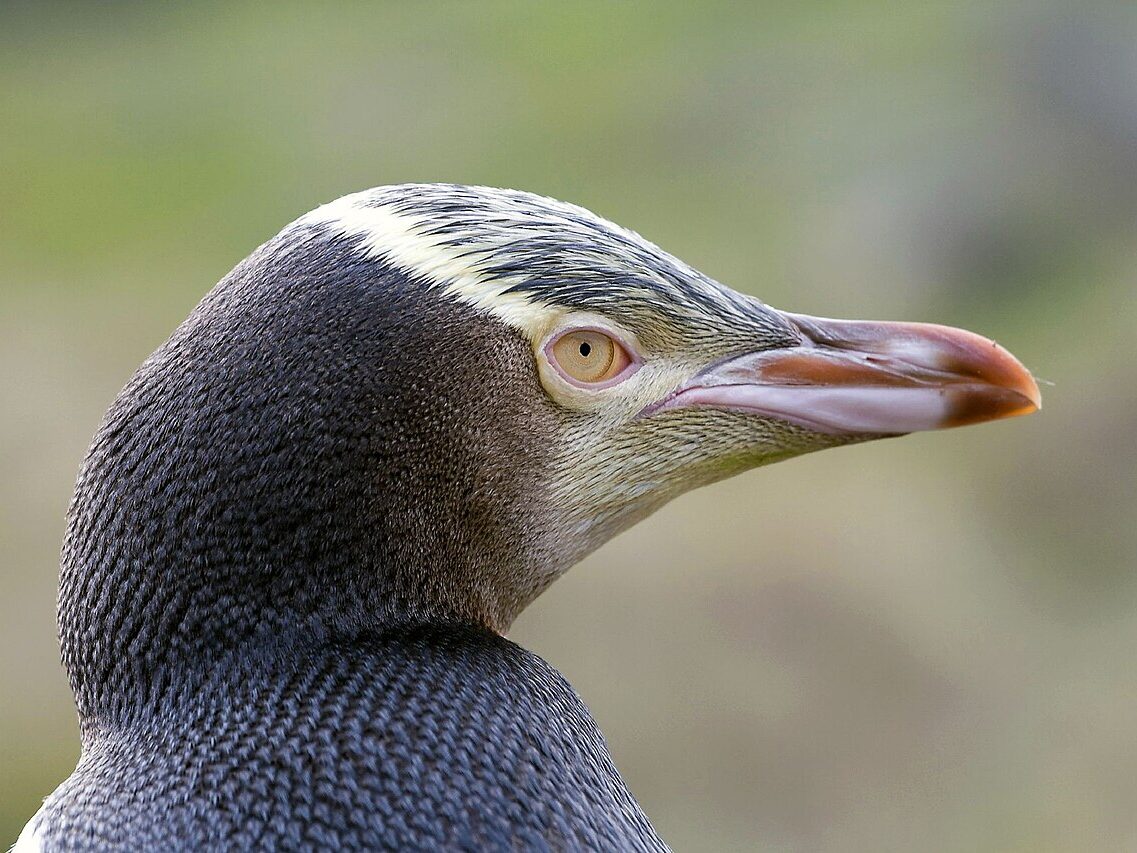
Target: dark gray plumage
243, 598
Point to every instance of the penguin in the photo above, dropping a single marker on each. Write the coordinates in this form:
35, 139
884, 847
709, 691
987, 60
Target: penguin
306, 523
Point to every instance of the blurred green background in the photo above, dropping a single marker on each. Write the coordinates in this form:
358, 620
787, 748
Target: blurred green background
921, 644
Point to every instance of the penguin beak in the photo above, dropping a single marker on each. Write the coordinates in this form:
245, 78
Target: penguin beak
851, 377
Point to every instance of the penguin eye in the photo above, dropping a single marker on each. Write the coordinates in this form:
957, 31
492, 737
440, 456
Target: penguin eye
588, 356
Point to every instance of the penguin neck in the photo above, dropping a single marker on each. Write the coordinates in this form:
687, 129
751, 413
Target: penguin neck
266, 480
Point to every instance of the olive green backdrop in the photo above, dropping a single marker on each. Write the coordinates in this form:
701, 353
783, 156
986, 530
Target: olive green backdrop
925, 643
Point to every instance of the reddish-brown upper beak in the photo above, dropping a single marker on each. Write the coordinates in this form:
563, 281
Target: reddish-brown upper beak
850, 376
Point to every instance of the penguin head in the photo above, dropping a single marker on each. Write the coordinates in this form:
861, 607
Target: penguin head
642, 378
426, 402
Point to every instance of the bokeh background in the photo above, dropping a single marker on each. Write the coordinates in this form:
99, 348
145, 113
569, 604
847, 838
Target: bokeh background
919, 644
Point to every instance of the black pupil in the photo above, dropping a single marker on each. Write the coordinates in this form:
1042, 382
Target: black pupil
585, 348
